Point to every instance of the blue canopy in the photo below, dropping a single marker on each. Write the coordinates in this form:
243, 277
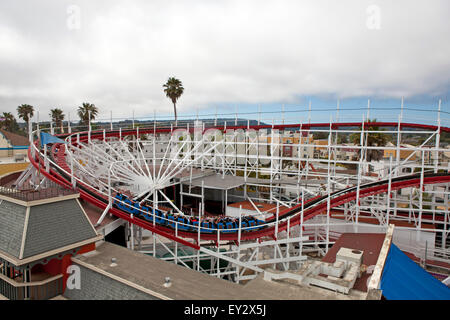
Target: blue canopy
48, 138
403, 279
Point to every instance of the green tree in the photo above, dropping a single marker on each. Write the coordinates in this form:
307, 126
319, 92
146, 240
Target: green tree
173, 89
342, 138
84, 110
25, 112
320, 135
8, 122
375, 139
57, 116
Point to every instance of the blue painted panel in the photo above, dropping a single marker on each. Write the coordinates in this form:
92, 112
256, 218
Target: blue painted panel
403, 279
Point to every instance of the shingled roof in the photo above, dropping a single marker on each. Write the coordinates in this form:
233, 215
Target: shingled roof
12, 223
28, 231
15, 139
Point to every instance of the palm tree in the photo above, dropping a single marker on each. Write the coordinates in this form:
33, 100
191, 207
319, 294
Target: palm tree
25, 112
8, 121
57, 116
376, 139
84, 110
173, 89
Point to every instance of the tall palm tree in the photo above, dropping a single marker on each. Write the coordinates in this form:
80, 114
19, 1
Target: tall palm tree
376, 139
57, 116
173, 89
83, 112
25, 112
8, 121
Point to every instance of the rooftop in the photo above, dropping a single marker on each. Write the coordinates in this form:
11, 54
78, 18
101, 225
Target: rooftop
27, 191
45, 228
217, 181
28, 195
150, 273
262, 206
15, 139
369, 243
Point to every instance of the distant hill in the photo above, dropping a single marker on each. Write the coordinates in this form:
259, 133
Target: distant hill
209, 122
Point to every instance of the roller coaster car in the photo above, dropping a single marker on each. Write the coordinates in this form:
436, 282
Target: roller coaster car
136, 209
207, 225
119, 202
147, 216
171, 221
183, 224
122, 202
260, 224
220, 226
254, 224
229, 226
117, 199
159, 217
128, 206
177, 223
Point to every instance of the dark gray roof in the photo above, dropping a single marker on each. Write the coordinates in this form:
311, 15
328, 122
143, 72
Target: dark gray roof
149, 273
12, 221
96, 286
55, 225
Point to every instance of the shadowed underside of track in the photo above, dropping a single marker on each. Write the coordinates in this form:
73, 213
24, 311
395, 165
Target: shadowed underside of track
311, 208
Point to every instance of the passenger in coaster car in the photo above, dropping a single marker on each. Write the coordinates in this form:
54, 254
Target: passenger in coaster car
195, 221
185, 223
117, 198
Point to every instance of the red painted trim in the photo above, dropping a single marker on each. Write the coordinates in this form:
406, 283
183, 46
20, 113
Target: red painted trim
308, 214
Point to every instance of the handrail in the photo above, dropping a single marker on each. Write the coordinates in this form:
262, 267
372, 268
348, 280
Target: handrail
29, 284
269, 223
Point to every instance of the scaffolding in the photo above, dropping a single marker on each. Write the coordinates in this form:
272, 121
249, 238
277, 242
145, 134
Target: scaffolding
200, 167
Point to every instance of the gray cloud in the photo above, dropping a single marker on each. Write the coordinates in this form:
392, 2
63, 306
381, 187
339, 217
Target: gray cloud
240, 51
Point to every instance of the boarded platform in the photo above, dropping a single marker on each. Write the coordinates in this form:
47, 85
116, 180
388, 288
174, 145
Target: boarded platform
369, 243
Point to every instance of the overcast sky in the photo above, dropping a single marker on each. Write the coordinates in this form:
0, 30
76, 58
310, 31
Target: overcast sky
117, 54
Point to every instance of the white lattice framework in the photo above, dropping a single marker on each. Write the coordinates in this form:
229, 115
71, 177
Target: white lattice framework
146, 164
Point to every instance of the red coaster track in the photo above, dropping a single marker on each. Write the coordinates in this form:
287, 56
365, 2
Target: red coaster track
311, 208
